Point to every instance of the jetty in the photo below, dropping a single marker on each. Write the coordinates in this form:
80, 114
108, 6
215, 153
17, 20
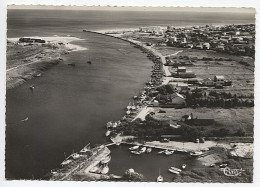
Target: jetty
82, 165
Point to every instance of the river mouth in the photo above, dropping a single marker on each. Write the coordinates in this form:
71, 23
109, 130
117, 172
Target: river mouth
70, 106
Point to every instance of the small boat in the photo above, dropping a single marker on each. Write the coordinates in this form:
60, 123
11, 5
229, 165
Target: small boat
109, 124
94, 169
129, 106
72, 64
196, 153
142, 150
160, 177
183, 166
133, 107
75, 155
26, 119
135, 97
31, 87
161, 152
167, 152
136, 152
108, 133
66, 162
106, 160
134, 148
85, 149
54, 171
105, 170
38, 75
149, 150
174, 171
89, 62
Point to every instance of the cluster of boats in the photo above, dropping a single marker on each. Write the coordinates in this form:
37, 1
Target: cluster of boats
102, 167
130, 109
110, 125
137, 150
76, 156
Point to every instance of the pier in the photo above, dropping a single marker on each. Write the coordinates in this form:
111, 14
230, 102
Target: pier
82, 165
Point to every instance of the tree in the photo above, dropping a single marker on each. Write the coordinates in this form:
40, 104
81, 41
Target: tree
131, 175
240, 132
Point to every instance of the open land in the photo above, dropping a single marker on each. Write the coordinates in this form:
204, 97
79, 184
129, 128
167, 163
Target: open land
28, 60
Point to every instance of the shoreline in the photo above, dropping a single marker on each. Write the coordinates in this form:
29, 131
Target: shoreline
26, 61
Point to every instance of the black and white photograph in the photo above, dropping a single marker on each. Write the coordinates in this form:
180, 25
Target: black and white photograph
130, 94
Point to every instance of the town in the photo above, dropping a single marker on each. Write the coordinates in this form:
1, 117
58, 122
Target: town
198, 101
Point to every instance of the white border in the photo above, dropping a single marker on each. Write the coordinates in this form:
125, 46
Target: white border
152, 3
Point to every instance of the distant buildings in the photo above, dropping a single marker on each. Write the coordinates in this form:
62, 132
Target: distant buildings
223, 39
31, 40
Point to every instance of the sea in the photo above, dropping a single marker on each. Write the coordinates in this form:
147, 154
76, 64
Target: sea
70, 106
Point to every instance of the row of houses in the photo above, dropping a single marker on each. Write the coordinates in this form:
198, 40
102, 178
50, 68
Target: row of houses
235, 38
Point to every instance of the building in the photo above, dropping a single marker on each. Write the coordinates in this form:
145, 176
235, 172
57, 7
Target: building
206, 45
178, 99
219, 79
181, 86
208, 82
181, 69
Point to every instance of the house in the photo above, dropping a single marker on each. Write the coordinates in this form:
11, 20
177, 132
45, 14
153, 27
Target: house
180, 85
208, 82
181, 69
178, 99
219, 79
206, 45
187, 74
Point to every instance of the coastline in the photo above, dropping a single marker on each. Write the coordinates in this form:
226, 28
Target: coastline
26, 61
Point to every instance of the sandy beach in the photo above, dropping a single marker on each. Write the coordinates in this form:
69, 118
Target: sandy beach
66, 40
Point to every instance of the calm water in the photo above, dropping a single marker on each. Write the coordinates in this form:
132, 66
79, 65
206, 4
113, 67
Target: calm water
71, 105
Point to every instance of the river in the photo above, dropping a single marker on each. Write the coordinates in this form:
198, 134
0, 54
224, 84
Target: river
70, 106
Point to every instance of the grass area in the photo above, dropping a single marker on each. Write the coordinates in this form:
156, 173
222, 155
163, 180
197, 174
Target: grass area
232, 119
26, 61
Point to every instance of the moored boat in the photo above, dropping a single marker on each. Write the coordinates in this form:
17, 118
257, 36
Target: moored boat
183, 166
142, 150
106, 160
94, 169
136, 152
66, 162
108, 133
160, 152
167, 152
85, 149
149, 150
196, 153
105, 170
75, 155
134, 147
160, 177
174, 171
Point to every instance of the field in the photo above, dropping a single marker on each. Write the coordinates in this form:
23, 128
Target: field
234, 69
27, 61
232, 119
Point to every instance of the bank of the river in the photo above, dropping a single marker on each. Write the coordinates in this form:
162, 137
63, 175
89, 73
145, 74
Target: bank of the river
28, 60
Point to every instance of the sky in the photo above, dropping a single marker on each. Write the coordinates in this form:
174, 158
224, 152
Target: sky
183, 9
